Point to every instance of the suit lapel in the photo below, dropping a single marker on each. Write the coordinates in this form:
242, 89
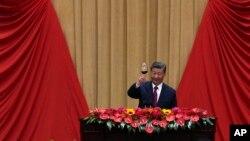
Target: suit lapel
150, 91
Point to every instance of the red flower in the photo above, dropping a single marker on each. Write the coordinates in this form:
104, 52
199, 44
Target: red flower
149, 129
170, 118
199, 112
179, 115
195, 118
139, 112
128, 120
143, 120
186, 117
112, 117
163, 124
121, 110
156, 112
196, 110
117, 115
180, 121
148, 110
150, 117
98, 110
118, 119
135, 124
204, 113
104, 116
110, 111
176, 110
155, 122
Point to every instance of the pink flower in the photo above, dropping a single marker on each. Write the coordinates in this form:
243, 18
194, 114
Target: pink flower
170, 118
121, 110
155, 122
117, 114
180, 121
104, 116
204, 113
195, 118
128, 120
143, 120
148, 118
110, 111
148, 111
135, 124
186, 117
163, 124
176, 110
196, 110
118, 119
199, 112
98, 110
149, 129
139, 112
112, 117
179, 115
156, 112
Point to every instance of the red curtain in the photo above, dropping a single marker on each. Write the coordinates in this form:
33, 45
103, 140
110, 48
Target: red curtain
40, 95
216, 77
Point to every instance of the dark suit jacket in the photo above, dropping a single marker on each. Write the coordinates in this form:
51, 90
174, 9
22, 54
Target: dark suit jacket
144, 93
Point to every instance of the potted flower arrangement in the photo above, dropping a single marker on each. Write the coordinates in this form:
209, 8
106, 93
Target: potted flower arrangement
150, 120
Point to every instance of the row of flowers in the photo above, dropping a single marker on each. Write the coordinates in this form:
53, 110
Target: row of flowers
150, 120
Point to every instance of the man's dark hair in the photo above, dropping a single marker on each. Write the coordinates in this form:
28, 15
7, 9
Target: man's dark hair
159, 65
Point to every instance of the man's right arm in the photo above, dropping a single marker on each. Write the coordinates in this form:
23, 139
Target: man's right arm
134, 91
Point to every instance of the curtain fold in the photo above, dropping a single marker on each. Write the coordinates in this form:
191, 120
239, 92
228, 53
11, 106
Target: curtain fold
216, 77
40, 95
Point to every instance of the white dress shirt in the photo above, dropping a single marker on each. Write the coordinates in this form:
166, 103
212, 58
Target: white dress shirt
158, 90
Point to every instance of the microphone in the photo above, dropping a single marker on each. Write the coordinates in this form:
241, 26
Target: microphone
144, 68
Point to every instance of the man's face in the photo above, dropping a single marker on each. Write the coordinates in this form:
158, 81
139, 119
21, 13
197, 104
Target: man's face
157, 76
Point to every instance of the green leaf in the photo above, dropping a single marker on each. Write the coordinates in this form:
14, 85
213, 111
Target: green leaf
157, 129
190, 124
91, 120
109, 125
209, 121
113, 124
164, 129
122, 125
129, 128
141, 128
204, 122
171, 126
175, 126
133, 129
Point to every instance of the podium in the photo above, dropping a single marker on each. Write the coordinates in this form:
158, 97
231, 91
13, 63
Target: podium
99, 132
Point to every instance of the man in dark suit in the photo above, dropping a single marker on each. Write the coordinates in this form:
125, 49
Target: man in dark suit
154, 93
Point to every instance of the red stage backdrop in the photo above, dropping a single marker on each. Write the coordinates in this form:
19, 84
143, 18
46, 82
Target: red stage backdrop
216, 77
40, 95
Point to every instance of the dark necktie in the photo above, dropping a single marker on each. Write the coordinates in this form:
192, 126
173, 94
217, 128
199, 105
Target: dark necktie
155, 95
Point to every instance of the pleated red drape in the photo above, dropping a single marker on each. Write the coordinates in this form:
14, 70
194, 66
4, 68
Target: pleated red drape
216, 77
40, 95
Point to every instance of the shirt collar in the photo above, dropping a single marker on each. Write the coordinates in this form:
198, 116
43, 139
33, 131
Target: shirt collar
159, 86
